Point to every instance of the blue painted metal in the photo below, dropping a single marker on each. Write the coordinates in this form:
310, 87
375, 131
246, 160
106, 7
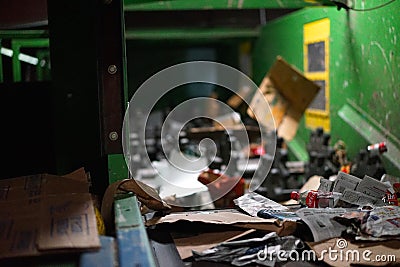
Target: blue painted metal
133, 243
105, 257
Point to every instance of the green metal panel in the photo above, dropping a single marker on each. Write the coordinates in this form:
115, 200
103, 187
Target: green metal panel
16, 45
190, 34
117, 169
364, 71
22, 34
132, 5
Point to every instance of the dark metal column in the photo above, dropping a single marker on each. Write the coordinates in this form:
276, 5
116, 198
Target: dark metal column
86, 49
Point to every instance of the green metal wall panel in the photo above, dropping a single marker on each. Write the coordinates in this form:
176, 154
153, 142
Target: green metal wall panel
219, 4
364, 72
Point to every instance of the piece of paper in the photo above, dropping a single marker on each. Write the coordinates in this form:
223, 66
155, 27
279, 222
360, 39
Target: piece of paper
325, 185
357, 198
320, 222
345, 181
253, 203
372, 187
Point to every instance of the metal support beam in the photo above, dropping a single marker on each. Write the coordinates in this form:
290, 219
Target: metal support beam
112, 72
135, 5
192, 34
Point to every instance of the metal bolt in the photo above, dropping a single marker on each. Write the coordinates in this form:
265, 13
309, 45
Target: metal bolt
112, 69
113, 136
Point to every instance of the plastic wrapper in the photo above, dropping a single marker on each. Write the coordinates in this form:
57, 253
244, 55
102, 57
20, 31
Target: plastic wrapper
262, 251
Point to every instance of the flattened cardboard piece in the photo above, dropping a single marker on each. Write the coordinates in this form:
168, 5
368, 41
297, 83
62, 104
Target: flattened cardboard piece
31, 188
26, 225
280, 228
68, 221
21, 212
204, 241
21, 188
227, 217
288, 93
53, 184
258, 112
210, 216
367, 252
19, 236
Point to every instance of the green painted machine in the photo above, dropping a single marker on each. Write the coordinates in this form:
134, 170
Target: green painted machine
361, 73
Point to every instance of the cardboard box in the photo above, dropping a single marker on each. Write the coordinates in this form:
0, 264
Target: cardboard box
288, 93
44, 213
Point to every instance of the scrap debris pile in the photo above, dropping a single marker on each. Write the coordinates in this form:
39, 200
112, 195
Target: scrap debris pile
363, 214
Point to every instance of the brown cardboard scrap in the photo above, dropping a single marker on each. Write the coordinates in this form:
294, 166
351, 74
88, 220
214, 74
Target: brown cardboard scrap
18, 236
68, 221
204, 241
28, 213
288, 93
227, 217
78, 175
31, 187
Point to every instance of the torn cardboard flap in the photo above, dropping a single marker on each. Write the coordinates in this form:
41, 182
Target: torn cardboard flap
46, 213
57, 223
227, 217
288, 93
78, 175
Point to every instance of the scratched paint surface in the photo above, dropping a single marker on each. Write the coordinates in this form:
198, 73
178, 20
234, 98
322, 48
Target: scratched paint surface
364, 67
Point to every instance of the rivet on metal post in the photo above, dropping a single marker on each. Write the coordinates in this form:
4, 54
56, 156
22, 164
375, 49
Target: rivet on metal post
112, 69
113, 136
